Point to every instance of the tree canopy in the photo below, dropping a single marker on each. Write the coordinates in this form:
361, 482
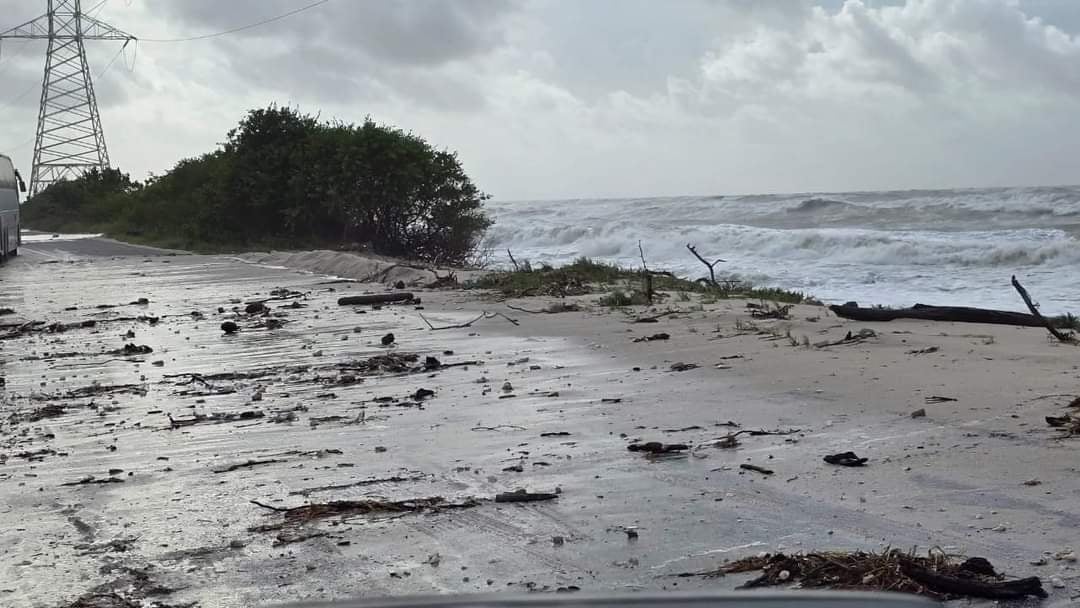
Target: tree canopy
288, 179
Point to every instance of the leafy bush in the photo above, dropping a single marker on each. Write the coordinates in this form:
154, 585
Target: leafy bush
287, 179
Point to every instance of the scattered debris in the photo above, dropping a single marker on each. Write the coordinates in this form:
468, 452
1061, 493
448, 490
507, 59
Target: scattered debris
498, 427
246, 465
919, 413
939, 399
306, 513
773, 311
214, 418
379, 298
653, 338
403, 477
846, 459
937, 575
523, 496
90, 479
851, 338
555, 434
923, 351
132, 349
1069, 423
755, 468
655, 447
682, 367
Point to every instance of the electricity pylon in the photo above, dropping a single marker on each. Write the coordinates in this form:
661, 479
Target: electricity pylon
69, 137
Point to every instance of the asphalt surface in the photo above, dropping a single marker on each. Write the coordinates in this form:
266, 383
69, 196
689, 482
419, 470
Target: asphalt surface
163, 511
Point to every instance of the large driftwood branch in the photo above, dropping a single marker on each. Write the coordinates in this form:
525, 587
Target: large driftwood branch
1063, 337
711, 266
959, 314
512, 260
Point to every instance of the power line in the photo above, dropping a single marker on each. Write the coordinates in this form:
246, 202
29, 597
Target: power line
241, 28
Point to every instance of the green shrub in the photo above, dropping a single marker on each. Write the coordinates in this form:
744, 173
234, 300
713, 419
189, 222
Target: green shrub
286, 178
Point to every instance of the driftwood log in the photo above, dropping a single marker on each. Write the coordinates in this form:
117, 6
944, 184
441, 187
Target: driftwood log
959, 314
376, 298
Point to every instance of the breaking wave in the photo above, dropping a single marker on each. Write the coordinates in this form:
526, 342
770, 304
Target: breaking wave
903, 244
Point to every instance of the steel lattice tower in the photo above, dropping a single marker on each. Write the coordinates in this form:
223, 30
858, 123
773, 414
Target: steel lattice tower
69, 136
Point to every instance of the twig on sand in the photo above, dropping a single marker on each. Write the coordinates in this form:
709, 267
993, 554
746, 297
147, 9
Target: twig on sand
483, 315
498, 427
1068, 338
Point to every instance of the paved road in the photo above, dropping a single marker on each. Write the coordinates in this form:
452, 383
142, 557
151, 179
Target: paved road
39, 246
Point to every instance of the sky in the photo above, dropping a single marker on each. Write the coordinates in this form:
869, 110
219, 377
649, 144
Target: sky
547, 99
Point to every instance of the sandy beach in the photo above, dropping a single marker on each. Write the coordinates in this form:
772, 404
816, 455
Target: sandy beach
549, 404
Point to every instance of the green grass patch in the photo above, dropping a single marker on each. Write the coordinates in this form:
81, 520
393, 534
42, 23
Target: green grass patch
585, 276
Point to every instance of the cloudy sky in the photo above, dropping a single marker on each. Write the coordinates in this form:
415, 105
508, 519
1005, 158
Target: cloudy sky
600, 98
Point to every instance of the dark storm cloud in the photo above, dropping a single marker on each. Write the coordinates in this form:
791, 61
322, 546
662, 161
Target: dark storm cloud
349, 51
406, 32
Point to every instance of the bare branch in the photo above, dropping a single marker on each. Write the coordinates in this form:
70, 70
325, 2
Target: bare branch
710, 266
1068, 338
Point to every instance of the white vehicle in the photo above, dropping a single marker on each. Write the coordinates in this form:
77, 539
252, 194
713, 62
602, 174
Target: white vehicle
11, 184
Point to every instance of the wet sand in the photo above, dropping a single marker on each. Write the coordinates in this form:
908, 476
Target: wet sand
182, 518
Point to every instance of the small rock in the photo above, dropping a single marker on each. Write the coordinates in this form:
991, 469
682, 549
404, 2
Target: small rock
557, 541
507, 387
1033, 482
158, 363
919, 413
380, 449
357, 330
388, 339
317, 353
237, 544
257, 396
229, 327
399, 285
1057, 582
631, 532
255, 308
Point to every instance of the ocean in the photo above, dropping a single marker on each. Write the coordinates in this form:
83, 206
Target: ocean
895, 248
